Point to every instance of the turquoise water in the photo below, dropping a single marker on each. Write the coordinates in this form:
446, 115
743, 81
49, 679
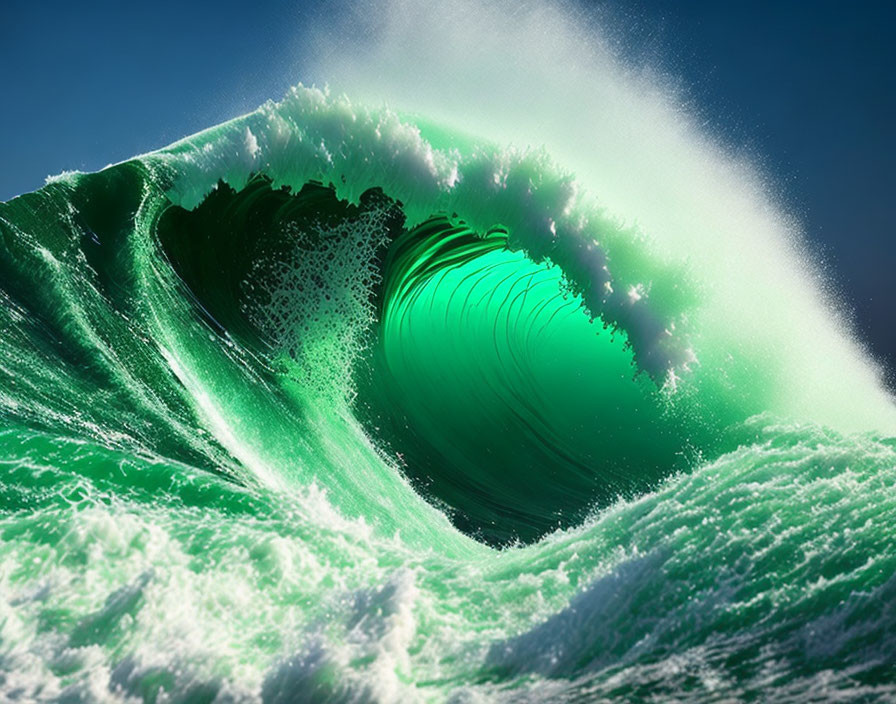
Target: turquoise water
329, 404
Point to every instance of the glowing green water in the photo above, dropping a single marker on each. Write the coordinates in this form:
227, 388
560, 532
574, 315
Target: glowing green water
491, 359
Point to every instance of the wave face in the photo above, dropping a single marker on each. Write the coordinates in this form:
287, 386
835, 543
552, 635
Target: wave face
332, 404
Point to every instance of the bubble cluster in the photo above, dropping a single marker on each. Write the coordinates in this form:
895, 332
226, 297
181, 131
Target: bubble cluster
319, 307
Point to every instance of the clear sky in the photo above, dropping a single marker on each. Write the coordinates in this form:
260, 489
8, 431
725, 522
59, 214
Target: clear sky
809, 86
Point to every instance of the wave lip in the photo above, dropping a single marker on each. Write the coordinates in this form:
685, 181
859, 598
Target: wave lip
312, 136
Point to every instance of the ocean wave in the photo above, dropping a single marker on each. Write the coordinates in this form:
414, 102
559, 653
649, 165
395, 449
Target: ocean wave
328, 404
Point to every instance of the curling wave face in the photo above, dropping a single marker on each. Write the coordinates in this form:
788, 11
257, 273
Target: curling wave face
327, 403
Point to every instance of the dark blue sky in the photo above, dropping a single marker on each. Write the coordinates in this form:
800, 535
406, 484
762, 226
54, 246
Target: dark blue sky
809, 86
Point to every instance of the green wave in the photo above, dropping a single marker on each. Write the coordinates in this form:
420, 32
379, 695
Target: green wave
324, 404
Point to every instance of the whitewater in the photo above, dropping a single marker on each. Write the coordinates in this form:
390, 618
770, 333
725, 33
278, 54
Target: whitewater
482, 374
